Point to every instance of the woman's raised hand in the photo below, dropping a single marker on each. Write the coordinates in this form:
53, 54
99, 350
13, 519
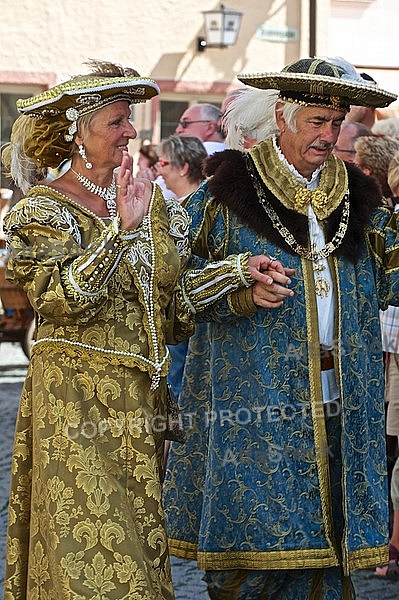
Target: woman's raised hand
132, 195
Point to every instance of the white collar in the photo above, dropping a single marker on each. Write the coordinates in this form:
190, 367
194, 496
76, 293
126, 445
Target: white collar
314, 181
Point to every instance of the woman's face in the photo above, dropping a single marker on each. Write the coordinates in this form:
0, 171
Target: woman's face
108, 135
170, 172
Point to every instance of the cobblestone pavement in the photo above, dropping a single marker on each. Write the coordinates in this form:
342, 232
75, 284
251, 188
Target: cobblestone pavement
186, 577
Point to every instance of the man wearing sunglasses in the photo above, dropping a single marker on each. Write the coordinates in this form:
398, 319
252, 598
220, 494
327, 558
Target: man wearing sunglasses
345, 146
203, 121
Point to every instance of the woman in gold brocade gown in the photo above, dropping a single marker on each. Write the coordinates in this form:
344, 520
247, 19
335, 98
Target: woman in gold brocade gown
99, 254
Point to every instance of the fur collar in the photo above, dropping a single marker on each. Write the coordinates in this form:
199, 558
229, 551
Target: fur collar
231, 186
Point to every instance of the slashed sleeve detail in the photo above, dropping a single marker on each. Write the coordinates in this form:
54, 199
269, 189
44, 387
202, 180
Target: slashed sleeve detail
212, 273
203, 287
89, 274
45, 239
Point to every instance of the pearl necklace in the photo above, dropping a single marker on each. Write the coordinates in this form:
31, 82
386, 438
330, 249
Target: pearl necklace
108, 194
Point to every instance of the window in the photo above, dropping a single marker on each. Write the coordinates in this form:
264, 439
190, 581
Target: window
171, 111
8, 114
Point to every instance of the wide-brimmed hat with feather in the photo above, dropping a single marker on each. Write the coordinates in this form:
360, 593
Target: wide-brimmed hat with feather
43, 135
86, 93
316, 81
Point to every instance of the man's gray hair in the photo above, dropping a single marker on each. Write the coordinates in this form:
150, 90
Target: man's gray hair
289, 112
210, 112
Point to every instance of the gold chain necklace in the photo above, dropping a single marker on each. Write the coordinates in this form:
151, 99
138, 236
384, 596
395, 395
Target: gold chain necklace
306, 253
322, 287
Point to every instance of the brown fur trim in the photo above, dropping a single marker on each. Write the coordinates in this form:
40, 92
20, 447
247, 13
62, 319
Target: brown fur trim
231, 186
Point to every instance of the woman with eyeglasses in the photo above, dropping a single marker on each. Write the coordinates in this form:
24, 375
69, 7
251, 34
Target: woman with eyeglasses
180, 162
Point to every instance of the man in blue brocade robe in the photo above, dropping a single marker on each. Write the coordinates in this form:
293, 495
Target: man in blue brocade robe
280, 491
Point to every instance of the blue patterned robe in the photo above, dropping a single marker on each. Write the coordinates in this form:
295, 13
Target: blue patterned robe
251, 487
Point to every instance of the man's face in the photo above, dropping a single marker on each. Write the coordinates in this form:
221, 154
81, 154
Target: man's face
344, 147
192, 123
311, 144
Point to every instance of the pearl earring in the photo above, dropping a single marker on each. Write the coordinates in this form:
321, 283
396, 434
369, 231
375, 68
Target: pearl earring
82, 153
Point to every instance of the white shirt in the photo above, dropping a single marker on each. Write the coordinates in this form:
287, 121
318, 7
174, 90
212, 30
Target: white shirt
212, 147
325, 304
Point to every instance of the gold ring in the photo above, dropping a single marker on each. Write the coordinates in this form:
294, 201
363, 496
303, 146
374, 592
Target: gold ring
118, 186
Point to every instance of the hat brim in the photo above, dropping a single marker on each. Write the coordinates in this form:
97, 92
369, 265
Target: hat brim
135, 89
320, 85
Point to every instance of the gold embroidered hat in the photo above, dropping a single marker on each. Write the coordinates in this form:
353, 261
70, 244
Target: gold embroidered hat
86, 93
44, 132
315, 81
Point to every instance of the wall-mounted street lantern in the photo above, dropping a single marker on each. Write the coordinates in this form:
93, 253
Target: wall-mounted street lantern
221, 28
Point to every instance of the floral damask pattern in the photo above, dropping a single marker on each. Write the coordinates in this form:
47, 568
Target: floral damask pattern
86, 488
258, 450
85, 514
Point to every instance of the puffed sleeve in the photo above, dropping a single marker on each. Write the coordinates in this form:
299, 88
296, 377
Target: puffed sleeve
203, 282
63, 280
213, 276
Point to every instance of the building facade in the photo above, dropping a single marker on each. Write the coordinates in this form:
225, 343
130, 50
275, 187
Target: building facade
45, 42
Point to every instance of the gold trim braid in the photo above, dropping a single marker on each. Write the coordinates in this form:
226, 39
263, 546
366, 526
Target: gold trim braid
274, 561
298, 198
333, 181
